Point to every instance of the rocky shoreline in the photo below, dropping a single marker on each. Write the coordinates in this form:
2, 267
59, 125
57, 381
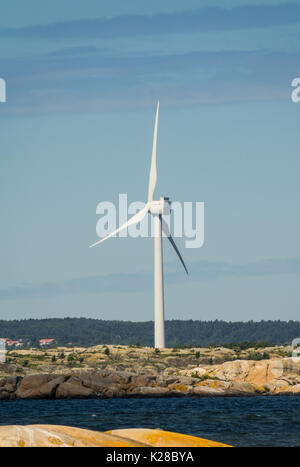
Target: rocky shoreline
231, 378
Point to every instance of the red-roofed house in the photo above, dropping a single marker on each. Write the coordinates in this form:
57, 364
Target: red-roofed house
11, 343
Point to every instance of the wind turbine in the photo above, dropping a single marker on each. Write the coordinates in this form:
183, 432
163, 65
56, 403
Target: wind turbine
157, 209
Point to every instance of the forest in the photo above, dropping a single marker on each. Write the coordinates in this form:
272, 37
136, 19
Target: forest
86, 332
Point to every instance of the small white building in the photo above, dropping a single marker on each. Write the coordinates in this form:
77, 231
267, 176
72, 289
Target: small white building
45, 342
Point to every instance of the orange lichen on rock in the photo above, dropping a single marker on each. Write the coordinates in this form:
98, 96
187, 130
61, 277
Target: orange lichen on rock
59, 436
65, 436
160, 438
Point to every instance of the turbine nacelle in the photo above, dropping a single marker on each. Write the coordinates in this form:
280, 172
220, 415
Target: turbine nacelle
163, 206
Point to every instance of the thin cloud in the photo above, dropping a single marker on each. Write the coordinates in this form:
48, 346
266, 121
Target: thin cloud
200, 20
142, 280
75, 51
99, 81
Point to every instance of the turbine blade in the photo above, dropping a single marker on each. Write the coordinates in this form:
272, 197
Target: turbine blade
133, 220
153, 172
165, 229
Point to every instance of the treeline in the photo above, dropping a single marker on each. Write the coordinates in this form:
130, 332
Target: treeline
87, 332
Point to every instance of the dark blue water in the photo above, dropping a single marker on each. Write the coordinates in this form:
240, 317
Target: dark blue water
249, 421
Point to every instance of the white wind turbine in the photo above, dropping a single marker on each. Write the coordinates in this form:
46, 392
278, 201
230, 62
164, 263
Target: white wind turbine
156, 209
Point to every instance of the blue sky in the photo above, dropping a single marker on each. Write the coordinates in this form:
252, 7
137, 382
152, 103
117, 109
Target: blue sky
76, 129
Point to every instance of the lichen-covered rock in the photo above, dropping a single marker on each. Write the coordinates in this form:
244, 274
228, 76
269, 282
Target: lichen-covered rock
70, 390
143, 380
111, 385
207, 391
38, 386
160, 438
59, 436
8, 387
150, 391
232, 371
199, 371
239, 377
241, 388
266, 376
286, 390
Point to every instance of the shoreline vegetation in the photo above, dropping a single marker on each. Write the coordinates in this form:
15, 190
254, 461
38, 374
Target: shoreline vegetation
134, 371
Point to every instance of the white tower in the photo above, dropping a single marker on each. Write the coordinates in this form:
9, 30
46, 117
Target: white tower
157, 209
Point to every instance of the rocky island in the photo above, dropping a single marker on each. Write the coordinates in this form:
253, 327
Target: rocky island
133, 371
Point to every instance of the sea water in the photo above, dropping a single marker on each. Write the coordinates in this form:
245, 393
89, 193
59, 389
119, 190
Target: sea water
239, 421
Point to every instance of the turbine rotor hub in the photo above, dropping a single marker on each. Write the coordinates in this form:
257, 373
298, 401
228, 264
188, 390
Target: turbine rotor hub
163, 206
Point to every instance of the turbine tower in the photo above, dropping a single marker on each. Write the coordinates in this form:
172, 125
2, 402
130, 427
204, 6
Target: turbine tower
157, 209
